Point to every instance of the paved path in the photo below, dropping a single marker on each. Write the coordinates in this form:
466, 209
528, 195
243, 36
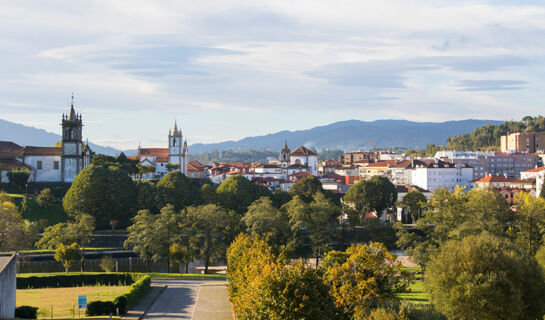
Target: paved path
187, 299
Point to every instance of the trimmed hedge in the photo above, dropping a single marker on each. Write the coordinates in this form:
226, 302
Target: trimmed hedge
77, 280
123, 302
26, 312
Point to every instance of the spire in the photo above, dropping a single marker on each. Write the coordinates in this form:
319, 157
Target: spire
72, 116
175, 132
286, 148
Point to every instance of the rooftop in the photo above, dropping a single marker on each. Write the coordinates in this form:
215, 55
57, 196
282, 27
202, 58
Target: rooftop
303, 151
42, 151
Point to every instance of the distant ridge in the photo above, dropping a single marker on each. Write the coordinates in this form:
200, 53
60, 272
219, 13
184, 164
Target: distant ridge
353, 134
30, 136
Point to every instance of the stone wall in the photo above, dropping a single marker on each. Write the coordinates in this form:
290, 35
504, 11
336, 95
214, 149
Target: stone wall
7, 287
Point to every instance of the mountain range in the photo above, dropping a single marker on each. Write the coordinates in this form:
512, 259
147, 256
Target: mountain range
345, 135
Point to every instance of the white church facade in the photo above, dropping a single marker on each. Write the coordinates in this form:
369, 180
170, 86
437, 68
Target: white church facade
176, 154
49, 164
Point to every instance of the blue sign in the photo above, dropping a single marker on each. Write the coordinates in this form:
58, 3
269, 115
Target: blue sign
82, 301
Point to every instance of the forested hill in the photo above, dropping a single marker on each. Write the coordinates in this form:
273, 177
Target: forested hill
488, 137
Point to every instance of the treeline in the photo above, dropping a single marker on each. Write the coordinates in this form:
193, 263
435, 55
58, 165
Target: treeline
254, 155
488, 137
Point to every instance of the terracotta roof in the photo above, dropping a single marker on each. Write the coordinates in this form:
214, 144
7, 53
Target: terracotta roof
197, 164
536, 170
10, 149
302, 151
161, 159
268, 166
297, 166
12, 164
497, 178
42, 151
153, 152
405, 189
381, 164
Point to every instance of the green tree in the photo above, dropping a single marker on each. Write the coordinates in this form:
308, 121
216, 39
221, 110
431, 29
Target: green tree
179, 254
264, 219
145, 196
306, 188
45, 198
15, 233
142, 236
415, 201
18, 179
280, 198
107, 264
238, 193
375, 230
105, 193
542, 194
365, 277
68, 254
484, 277
144, 170
176, 189
211, 231
530, 223
376, 194
172, 166
208, 194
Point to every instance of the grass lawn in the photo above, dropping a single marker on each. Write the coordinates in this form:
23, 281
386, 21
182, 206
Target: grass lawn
63, 300
55, 213
417, 294
154, 275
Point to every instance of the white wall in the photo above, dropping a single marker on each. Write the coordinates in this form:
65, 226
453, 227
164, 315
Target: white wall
7, 288
47, 173
433, 178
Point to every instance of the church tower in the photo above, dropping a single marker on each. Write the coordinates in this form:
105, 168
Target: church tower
285, 156
72, 145
177, 148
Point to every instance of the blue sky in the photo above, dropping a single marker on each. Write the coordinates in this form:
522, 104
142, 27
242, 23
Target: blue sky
230, 69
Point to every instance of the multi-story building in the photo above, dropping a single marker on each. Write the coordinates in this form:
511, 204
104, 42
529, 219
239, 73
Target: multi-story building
485, 163
538, 174
440, 174
523, 141
355, 156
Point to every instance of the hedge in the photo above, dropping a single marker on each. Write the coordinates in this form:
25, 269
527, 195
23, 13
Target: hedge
26, 312
77, 280
123, 302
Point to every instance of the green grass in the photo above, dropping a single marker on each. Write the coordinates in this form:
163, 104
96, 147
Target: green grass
54, 214
154, 275
417, 293
63, 300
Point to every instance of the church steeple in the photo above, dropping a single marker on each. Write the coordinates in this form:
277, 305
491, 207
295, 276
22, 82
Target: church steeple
285, 155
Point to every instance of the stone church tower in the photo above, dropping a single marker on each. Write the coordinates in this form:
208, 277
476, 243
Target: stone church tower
285, 158
72, 145
177, 148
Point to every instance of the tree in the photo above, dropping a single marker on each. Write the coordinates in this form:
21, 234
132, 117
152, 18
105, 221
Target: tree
264, 219
176, 189
145, 196
542, 194
107, 264
238, 193
15, 233
208, 194
280, 198
484, 277
145, 170
18, 179
363, 278
172, 166
376, 194
68, 254
415, 201
105, 193
142, 236
211, 231
45, 198
306, 188
179, 254
530, 223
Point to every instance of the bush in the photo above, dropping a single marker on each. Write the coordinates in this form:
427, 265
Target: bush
26, 312
107, 264
77, 280
135, 292
98, 308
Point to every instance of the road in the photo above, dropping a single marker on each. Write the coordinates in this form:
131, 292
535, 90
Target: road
177, 301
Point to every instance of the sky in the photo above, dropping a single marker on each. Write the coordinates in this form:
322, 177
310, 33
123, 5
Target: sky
230, 69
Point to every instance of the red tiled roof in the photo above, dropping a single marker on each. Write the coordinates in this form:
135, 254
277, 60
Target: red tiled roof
381, 164
196, 164
153, 152
536, 170
10, 149
12, 164
302, 151
497, 178
161, 159
42, 151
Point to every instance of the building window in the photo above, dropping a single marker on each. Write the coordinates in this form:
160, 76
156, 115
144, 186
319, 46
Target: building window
39, 165
56, 165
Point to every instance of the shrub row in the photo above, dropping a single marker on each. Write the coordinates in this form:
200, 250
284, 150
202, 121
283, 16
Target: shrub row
26, 312
77, 280
123, 302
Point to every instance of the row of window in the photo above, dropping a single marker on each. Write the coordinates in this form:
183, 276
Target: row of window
39, 165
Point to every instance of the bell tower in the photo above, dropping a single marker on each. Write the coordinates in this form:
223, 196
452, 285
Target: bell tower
72, 152
285, 156
176, 148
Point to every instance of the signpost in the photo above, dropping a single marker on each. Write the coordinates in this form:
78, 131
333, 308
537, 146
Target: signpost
82, 304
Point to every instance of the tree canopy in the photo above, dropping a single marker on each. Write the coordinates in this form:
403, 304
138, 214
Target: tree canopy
376, 194
238, 193
177, 189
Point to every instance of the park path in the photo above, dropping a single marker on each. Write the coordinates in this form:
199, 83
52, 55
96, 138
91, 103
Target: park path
189, 299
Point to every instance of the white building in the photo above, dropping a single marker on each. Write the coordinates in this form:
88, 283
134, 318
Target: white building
7, 287
440, 174
176, 154
49, 164
538, 174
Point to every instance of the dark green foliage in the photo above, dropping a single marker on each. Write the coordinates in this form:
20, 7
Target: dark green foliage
145, 197
280, 198
542, 194
26, 312
98, 308
105, 193
306, 188
18, 179
177, 189
376, 194
76, 280
237, 193
488, 137
375, 230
